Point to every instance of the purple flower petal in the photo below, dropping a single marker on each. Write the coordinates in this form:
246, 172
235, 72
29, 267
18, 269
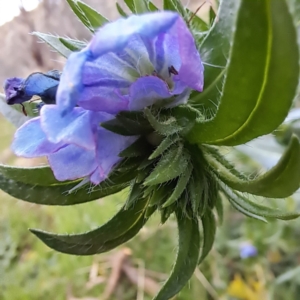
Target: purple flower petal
109, 147
98, 98
146, 91
191, 69
72, 162
73, 128
31, 141
71, 85
12, 88
115, 36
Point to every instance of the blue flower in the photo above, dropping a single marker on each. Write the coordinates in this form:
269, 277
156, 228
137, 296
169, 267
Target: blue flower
133, 63
19, 90
75, 145
128, 65
247, 250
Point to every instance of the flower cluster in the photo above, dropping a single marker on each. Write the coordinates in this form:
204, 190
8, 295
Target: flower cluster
129, 64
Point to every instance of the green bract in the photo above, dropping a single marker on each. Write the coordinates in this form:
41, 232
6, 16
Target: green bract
251, 57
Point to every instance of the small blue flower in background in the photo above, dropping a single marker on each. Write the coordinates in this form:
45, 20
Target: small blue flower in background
247, 250
128, 65
19, 90
133, 63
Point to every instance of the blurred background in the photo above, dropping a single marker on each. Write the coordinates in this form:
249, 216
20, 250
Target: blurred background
250, 260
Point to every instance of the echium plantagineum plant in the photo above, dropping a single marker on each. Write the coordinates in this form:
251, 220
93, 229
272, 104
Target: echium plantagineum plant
147, 104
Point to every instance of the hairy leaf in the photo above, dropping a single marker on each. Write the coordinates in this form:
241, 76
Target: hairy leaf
186, 260
258, 88
279, 182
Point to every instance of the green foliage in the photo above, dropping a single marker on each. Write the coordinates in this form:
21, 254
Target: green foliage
253, 92
251, 77
121, 228
186, 260
276, 183
63, 46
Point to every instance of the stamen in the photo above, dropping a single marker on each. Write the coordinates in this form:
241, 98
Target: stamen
172, 70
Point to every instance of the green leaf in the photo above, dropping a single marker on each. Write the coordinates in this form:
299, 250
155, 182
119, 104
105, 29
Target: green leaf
219, 209
244, 211
259, 210
164, 145
136, 191
80, 14
141, 6
209, 232
139, 148
195, 189
100, 240
129, 123
95, 19
159, 194
258, 89
73, 45
279, 182
35, 175
54, 42
175, 5
186, 260
170, 166
130, 5
197, 24
215, 50
87, 249
121, 11
152, 7
180, 186
164, 125
60, 195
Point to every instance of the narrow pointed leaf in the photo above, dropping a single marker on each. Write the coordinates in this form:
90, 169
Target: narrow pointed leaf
152, 7
139, 148
121, 11
95, 18
260, 210
186, 260
197, 23
54, 42
209, 232
180, 186
130, 5
72, 45
89, 249
174, 5
244, 211
273, 53
165, 127
135, 194
59, 194
80, 14
163, 146
279, 182
95, 241
170, 166
219, 209
140, 6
